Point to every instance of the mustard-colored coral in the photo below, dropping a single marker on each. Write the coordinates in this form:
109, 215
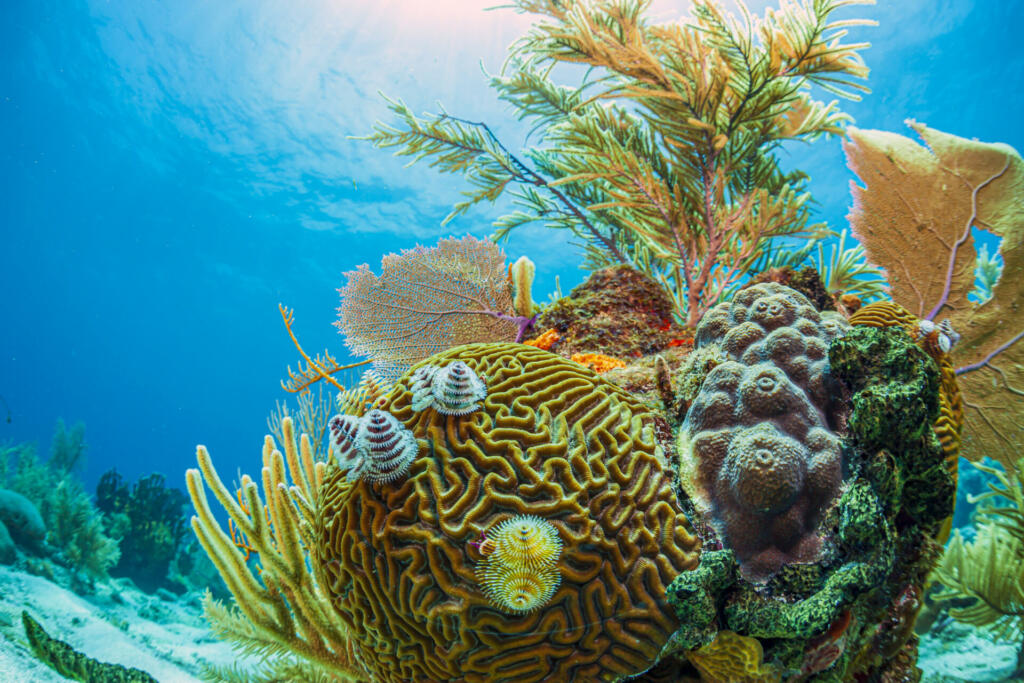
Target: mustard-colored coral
552, 440
732, 658
598, 362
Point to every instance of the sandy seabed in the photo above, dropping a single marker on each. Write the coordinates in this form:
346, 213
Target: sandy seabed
167, 638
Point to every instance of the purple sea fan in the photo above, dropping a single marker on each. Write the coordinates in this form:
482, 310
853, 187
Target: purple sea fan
387, 447
457, 390
427, 300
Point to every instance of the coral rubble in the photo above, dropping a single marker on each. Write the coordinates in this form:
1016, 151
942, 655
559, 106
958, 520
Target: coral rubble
553, 441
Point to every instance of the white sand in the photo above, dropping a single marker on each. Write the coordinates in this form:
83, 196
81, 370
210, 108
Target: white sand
119, 624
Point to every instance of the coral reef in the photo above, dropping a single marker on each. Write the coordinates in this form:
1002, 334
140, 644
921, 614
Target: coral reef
545, 341
284, 615
987, 573
65, 526
831, 620
845, 273
732, 657
72, 664
616, 311
554, 441
598, 362
914, 212
22, 519
150, 520
428, 300
757, 450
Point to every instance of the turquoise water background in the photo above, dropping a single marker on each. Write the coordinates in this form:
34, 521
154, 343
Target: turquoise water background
170, 171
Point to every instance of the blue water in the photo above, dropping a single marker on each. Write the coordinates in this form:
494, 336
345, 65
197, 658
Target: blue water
171, 171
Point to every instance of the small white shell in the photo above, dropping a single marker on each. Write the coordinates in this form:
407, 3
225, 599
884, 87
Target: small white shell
457, 390
419, 385
926, 326
944, 343
386, 444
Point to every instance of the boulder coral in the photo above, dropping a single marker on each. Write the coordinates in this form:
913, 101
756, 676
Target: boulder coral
822, 619
554, 441
758, 451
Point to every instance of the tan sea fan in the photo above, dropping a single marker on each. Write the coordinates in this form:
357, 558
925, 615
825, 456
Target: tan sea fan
914, 211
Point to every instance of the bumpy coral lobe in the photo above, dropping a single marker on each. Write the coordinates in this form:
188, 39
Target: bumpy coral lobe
758, 451
552, 440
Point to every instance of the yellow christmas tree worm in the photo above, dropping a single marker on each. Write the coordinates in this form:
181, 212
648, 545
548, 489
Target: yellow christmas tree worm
284, 612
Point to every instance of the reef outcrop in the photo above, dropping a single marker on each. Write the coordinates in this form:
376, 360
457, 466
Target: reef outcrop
413, 566
844, 616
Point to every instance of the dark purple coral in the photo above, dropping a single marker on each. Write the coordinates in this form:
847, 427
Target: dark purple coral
758, 453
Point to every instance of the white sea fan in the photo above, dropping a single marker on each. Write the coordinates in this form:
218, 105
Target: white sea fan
387, 446
419, 385
457, 390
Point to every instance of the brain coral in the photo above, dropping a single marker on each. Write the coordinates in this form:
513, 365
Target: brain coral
552, 440
757, 449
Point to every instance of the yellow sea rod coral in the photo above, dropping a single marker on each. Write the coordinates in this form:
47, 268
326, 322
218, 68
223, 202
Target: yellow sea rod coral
403, 563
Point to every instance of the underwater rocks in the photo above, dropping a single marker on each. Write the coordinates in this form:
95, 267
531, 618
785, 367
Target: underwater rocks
847, 615
24, 525
617, 311
757, 450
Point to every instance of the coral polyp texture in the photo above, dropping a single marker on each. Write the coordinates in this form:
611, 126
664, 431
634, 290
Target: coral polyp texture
757, 447
410, 565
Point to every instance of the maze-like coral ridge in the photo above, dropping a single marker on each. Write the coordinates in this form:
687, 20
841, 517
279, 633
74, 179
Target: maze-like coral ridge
553, 440
757, 449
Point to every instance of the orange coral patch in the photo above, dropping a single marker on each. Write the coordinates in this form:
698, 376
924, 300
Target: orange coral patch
545, 341
598, 362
